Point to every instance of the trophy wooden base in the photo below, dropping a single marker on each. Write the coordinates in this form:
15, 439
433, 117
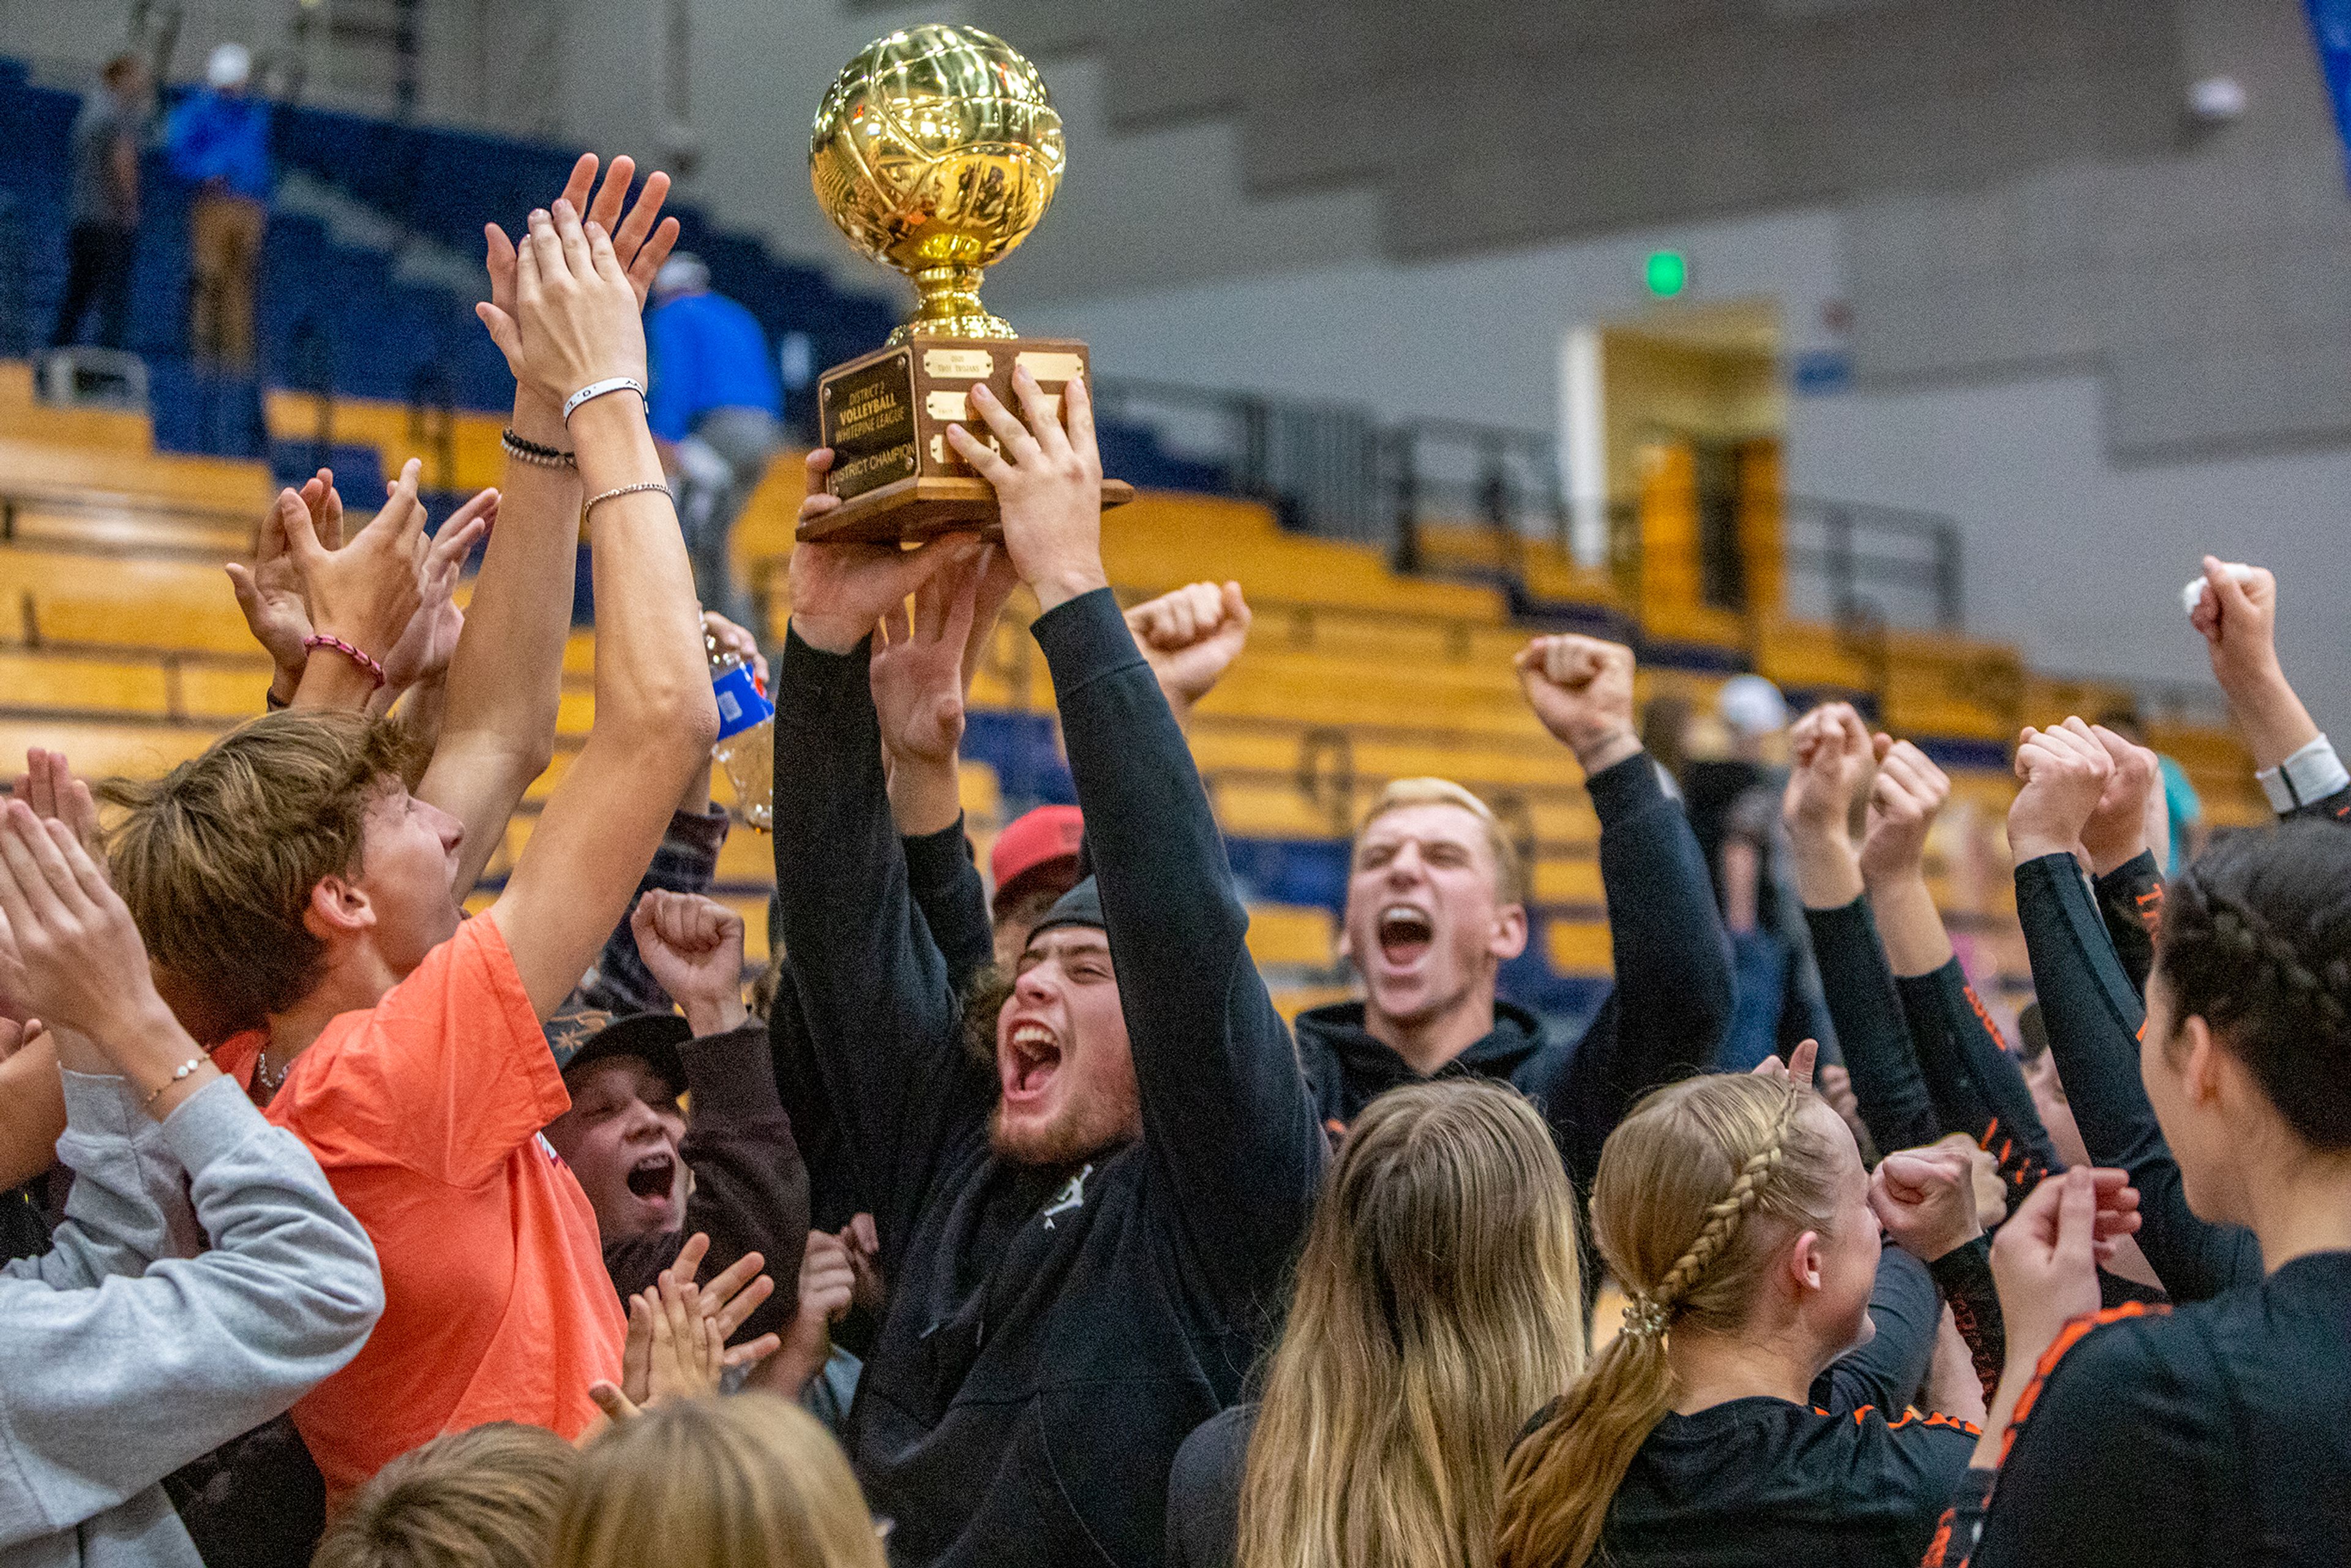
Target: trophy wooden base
885, 416
921, 508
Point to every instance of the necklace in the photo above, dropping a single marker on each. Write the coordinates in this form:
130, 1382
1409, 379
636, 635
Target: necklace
261, 1071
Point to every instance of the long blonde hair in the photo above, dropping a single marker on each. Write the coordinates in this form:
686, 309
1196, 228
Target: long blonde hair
751, 1481
1696, 1191
1437, 1306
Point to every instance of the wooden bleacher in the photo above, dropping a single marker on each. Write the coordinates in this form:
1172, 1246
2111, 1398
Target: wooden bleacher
120, 643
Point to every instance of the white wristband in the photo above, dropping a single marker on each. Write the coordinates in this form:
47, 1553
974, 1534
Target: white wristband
2311, 774
598, 388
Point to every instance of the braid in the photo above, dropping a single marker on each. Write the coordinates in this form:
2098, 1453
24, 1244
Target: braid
2256, 941
1726, 1215
2240, 932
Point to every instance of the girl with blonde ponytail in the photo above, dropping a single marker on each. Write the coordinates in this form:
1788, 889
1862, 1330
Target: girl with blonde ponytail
1437, 1305
1735, 1211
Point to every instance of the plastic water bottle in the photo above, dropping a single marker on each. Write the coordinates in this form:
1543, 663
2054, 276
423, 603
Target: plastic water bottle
747, 735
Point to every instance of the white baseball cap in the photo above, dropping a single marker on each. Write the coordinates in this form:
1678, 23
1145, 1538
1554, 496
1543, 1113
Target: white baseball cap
1751, 706
231, 66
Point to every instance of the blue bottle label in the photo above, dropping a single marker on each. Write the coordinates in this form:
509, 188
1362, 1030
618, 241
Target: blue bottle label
740, 704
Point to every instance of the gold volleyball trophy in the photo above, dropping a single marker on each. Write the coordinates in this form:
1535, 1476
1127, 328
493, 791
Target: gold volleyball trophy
935, 150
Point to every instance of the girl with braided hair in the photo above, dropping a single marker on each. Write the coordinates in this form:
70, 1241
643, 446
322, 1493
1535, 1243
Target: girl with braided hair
2214, 1432
1735, 1210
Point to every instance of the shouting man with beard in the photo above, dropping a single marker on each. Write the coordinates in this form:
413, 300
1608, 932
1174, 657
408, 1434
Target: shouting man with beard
1437, 904
1085, 1229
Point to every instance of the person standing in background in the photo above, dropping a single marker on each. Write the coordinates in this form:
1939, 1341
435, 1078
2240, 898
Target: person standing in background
715, 408
219, 143
104, 238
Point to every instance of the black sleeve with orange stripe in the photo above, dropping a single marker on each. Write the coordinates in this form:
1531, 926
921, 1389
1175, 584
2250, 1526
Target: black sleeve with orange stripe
1963, 1278
2095, 1021
1859, 985
1973, 1078
2130, 901
2092, 1462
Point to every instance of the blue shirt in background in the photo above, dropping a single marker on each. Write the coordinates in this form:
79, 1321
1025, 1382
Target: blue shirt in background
2181, 806
706, 352
215, 136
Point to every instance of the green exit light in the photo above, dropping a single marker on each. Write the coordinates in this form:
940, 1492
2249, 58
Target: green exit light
1666, 272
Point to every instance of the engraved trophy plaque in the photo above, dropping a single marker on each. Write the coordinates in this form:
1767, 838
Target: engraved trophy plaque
937, 151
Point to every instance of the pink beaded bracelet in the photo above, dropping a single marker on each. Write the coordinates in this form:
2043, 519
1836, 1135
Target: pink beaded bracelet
319, 640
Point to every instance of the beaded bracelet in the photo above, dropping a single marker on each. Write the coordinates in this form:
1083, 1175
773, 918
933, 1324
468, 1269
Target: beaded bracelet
531, 452
593, 501
179, 1075
321, 640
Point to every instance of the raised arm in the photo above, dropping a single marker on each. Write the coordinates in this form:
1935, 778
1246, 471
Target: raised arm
1672, 1001
871, 994
497, 726
920, 671
224, 1341
1227, 1125
1975, 1086
655, 719
2298, 770
1831, 753
2093, 1018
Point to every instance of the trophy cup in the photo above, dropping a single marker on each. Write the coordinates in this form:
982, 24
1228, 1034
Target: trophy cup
935, 150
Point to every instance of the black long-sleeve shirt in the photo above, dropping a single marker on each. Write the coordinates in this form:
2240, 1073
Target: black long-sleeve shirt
1857, 982
1662, 1020
1764, 1482
2213, 1434
1051, 1334
2095, 1021
750, 1191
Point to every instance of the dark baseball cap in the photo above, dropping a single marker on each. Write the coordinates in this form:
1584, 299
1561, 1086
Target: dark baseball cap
581, 1036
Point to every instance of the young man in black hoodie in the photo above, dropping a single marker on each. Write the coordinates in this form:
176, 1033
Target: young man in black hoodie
1085, 1231
1435, 906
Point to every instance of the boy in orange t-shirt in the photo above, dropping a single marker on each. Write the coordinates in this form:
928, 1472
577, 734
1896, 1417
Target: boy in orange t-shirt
288, 879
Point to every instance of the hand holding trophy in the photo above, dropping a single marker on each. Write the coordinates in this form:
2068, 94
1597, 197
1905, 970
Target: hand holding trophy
936, 151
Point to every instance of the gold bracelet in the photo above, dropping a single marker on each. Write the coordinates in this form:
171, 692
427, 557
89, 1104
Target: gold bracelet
179, 1075
595, 501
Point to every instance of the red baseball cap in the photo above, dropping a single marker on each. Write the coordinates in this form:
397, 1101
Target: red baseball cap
1034, 841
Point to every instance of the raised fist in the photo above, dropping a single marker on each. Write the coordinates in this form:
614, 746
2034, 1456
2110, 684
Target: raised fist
694, 947
2120, 826
1908, 793
2065, 772
1582, 689
1191, 636
1830, 756
1925, 1199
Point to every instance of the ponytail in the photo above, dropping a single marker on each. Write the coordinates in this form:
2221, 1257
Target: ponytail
1558, 1482
1662, 1175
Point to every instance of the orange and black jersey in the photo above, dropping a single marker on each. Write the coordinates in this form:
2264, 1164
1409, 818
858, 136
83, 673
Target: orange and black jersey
1762, 1483
2212, 1435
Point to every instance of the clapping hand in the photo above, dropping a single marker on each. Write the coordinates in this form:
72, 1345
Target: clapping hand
1190, 637
579, 320
651, 1369
1048, 480
269, 590
1582, 689
425, 649
2065, 772
365, 593
638, 246
694, 947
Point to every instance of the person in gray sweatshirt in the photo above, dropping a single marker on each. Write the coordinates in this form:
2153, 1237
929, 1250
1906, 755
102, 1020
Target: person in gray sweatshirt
125, 1352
